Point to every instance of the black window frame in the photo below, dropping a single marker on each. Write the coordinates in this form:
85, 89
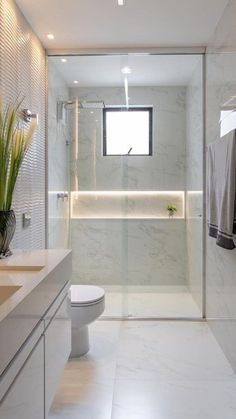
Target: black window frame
148, 109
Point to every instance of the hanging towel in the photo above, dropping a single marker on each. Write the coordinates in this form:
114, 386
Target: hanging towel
221, 190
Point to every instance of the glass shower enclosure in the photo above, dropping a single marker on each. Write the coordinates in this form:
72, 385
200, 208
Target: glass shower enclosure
125, 170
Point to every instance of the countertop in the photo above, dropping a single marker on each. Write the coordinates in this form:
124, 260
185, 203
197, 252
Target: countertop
13, 272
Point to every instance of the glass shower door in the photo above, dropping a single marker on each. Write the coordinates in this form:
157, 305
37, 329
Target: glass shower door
97, 226
165, 200
58, 162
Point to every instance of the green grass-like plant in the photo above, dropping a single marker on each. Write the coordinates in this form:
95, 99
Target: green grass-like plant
171, 208
14, 143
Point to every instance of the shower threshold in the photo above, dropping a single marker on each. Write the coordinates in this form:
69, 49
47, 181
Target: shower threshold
150, 302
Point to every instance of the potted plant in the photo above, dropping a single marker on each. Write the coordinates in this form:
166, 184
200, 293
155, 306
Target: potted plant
171, 208
14, 143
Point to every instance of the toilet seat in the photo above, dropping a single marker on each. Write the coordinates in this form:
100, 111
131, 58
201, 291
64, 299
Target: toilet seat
86, 295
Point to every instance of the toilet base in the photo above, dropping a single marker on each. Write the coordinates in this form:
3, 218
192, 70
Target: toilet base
79, 341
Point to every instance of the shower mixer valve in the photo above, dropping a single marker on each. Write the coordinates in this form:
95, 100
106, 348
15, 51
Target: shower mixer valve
28, 115
62, 195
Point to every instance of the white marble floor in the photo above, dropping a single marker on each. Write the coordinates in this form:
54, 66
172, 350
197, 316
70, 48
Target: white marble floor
148, 370
150, 301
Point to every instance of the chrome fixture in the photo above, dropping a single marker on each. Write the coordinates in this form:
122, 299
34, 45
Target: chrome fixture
92, 104
62, 196
69, 104
26, 220
28, 115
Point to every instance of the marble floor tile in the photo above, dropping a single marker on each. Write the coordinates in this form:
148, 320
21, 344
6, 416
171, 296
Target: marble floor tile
148, 370
85, 402
86, 388
152, 301
174, 400
160, 351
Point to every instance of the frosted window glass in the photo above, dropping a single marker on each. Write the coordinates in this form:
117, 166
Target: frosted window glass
127, 132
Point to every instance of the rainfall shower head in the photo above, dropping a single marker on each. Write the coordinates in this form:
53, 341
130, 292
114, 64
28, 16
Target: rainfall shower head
69, 104
92, 104
62, 107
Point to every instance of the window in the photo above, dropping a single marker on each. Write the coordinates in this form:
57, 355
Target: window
127, 131
228, 121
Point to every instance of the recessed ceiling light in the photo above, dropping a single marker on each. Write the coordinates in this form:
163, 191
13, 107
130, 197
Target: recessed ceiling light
76, 82
63, 60
50, 36
120, 2
126, 70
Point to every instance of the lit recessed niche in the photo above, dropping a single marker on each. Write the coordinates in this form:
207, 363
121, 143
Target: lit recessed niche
126, 204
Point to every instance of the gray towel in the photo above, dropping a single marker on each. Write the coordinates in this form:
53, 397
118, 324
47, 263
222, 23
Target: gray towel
221, 190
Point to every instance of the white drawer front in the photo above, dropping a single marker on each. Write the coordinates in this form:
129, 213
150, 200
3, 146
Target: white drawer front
57, 350
25, 397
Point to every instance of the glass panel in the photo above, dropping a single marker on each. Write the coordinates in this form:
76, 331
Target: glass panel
58, 161
165, 251
99, 251
136, 220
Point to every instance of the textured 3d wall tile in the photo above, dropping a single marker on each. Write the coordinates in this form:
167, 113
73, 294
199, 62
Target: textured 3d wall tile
23, 74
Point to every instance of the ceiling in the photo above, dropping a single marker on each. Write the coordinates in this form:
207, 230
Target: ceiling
147, 70
139, 23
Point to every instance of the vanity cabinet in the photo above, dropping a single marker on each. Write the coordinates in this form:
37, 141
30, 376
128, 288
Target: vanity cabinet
24, 398
29, 383
57, 346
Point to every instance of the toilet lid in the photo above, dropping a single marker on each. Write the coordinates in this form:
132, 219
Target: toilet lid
86, 294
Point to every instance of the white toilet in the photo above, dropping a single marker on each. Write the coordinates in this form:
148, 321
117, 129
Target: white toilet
87, 304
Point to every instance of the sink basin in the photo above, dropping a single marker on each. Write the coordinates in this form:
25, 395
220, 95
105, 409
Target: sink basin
6, 291
20, 268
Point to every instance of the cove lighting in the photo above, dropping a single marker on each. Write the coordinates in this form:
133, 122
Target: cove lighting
128, 192
126, 204
50, 36
195, 192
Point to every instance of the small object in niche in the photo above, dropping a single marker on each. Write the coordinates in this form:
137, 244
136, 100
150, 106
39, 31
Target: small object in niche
171, 208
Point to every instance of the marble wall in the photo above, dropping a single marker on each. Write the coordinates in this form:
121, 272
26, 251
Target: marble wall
23, 74
131, 252
221, 263
194, 183
58, 159
138, 252
165, 170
